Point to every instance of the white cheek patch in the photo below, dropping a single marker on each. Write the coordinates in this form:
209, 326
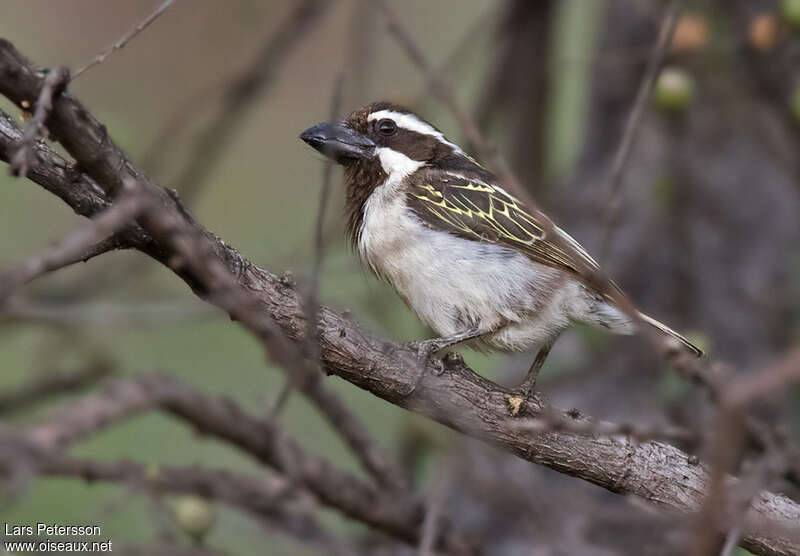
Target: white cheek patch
396, 164
412, 123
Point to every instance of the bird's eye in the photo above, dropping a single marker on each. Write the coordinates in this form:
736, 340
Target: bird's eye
387, 127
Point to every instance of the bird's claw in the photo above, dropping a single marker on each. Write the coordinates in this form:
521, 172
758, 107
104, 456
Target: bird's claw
426, 351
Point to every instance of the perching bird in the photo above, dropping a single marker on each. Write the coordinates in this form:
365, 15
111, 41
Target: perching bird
471, 260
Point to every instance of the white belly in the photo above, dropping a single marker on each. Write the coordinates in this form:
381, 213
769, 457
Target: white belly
454, 284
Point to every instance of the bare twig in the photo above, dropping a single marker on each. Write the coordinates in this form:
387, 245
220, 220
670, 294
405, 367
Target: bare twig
125, 39
774, 378
74, 247
140, 314
265, 497
444, 91
434, 508
24, 158
612, 211
319, 232
281, 399
51, 384
242, 93
169, 133
727, 448
74, 422
397, 515
312, 300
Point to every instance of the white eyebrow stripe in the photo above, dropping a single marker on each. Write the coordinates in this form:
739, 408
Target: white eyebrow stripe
412, 123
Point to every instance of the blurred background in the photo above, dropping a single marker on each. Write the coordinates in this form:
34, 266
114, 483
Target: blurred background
708, 237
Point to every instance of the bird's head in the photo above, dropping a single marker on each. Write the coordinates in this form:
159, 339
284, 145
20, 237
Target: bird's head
383, 143
382, 133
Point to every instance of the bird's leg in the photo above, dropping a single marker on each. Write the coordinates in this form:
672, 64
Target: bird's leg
527, 386
428, 348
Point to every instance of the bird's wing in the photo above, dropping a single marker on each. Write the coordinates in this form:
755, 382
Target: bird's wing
477, 209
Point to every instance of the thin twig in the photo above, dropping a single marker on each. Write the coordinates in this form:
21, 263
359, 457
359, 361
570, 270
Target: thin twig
444, 91
24, 158
776, 377
280, 401
242, 93
319, 230
732, 429
73, 247
434, 508
460, 54
312, 294
49, 385
124, 39
614, 204
140, 314
267, 497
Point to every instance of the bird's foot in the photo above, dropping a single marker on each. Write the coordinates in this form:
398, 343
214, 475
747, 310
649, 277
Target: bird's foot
526, 388
426, 352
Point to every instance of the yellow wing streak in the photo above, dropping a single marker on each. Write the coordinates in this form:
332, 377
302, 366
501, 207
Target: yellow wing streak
489, 218
477, 209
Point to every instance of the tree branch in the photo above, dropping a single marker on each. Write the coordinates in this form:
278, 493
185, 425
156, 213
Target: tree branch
210, 272
49, 385
399, 516
124, 39
241, 93
267, 497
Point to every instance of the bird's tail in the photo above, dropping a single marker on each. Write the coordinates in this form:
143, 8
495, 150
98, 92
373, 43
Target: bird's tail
670, 332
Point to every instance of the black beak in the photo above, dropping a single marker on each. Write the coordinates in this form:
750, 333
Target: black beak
338, 142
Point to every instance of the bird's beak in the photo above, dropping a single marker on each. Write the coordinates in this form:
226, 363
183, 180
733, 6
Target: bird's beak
338, 142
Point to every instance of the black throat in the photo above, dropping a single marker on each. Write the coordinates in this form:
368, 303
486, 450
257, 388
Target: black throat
361, 179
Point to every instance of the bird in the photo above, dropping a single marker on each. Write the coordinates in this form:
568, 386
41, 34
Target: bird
474, 262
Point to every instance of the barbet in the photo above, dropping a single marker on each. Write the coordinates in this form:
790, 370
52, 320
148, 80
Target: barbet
473, 262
